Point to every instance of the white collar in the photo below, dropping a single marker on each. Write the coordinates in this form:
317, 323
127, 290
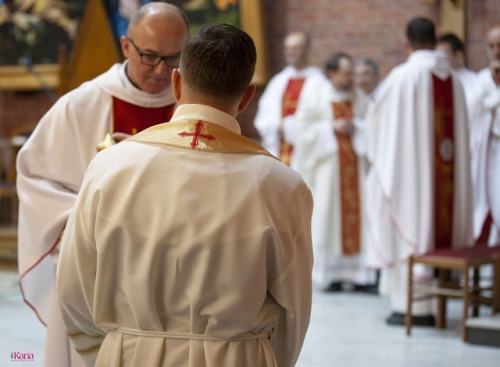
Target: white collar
206, 113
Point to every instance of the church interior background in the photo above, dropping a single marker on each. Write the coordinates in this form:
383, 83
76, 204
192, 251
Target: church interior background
31, 81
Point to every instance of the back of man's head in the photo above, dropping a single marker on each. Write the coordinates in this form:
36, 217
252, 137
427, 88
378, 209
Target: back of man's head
218, 61
421, 34
451, 39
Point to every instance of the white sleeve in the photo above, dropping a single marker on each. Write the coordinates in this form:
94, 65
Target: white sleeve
76, 280
292, 289
268, 117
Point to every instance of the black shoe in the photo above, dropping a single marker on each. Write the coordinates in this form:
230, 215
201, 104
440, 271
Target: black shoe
334, 287
397, 318
365, 288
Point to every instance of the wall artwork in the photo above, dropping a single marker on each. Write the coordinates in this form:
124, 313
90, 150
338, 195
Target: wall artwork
35, 33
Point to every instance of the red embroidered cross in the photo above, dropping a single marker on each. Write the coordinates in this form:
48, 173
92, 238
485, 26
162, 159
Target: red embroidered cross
197, 134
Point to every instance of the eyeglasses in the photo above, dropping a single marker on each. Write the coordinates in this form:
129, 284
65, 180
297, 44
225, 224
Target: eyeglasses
171, 61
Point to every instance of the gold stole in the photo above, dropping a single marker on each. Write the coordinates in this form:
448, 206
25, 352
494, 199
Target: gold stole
350, 206
199, 135
443, 161
289, 106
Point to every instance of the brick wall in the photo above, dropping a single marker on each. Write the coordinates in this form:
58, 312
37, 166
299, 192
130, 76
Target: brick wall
481, 16
368, 28
21, 108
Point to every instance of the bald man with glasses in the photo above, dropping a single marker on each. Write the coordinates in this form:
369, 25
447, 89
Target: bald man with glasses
126, 99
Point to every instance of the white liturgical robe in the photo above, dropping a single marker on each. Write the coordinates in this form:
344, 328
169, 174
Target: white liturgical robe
486, 157
469, 80
269, 119
400, 183
50, 169
189, 245
317, 155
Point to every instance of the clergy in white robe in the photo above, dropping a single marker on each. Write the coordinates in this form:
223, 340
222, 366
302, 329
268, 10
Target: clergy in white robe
281, 98
367, 77
486, 148
339, 233
454, 50
50, 166
189, 244
402, 200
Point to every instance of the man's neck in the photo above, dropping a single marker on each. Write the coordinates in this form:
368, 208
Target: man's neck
300, 67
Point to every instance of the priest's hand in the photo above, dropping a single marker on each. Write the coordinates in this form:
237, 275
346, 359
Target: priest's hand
110, 140
120, 136
343, 126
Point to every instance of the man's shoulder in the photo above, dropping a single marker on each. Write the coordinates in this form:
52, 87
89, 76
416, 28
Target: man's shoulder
90, 89
470, 72
84, 93
484, 75
282, 175
282, 74
312, 71
407, 73
318, 81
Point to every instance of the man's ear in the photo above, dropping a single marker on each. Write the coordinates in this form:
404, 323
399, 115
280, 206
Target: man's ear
176, 84
247, 97
125, 45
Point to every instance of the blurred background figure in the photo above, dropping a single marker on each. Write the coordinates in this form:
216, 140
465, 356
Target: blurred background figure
367, 76
281, 98
485, 135
414, 208
454, 49
331, 158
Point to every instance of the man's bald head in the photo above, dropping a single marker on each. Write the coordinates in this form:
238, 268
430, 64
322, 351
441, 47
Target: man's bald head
296, 46
157, 9
493, 39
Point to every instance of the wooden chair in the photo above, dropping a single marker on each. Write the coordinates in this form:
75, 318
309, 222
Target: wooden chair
473, 295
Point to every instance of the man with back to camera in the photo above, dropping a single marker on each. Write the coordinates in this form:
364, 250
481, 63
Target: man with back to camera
418, 189
209, 233
124, 100
282, 97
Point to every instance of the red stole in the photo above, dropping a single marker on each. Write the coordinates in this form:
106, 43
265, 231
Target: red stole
130, 119
289, 106
443, 161
350, 206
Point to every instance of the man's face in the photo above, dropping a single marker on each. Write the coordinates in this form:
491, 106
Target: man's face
453, 58
494, 44
365, 78
295, 50
153, 36
342, 79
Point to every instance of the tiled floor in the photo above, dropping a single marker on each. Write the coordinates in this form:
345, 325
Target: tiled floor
347, 330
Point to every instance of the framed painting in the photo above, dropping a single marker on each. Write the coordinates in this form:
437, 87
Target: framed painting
35, 33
